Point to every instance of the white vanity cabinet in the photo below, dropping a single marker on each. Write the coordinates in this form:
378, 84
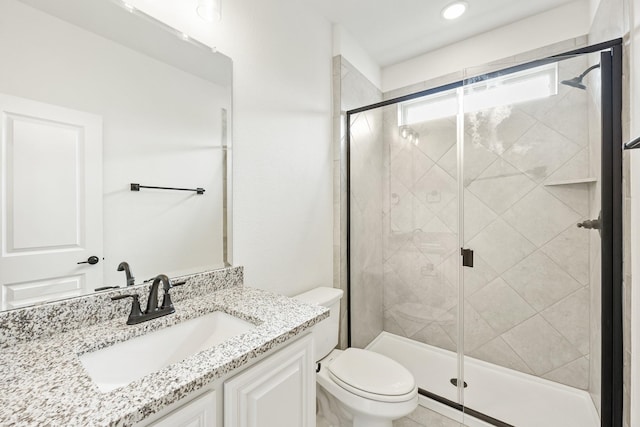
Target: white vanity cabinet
279, 391
200, 412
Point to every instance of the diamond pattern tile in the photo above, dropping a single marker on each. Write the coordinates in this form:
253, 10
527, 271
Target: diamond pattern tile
409, 165
540, 217
436, 137
540, 281
569, 116
410, 264
477, 277
476, 330
433, 334
436, 241
576, 196
501, 185
570, 317
575, 168
497, 351
570, 249
410, 214
541, 347
501, 306
574, 374
476, 159
497, 128
396, 190
396, 291
540, 152
436, 189
476, 215
501, 246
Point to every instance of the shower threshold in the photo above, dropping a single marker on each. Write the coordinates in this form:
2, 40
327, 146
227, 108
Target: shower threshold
500, 393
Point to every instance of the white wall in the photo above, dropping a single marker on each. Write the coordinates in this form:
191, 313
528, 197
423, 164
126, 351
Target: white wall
344, 44
593, 8
282, 135
563, 23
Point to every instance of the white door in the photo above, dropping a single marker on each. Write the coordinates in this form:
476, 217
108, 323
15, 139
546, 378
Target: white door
51, 201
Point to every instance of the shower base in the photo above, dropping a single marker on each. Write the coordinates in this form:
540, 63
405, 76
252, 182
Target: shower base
510, 396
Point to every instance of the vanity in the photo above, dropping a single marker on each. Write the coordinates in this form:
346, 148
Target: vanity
261, 373
117, 141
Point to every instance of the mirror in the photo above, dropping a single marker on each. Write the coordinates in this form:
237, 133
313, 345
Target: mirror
95, 97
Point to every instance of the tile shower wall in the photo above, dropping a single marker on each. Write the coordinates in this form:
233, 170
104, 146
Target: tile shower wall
527, 301
351, 90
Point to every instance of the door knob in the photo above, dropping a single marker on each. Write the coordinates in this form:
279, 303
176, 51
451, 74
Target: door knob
91, 260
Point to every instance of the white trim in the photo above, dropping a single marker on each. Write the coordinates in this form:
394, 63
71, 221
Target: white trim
635, 291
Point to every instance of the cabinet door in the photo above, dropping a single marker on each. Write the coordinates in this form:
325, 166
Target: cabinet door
279, 391
200, 412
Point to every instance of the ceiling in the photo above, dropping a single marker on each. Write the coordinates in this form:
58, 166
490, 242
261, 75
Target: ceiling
392, 31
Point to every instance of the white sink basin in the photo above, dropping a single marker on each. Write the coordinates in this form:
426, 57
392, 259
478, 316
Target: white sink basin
124, 362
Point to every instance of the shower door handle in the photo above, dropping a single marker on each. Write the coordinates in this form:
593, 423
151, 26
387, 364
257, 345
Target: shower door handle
467, 257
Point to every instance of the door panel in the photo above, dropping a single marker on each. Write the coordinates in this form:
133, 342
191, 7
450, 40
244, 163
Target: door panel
51, 211
279, 391
44, 176
527, 301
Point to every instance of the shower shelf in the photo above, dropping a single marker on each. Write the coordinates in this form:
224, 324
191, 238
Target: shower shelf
571, 181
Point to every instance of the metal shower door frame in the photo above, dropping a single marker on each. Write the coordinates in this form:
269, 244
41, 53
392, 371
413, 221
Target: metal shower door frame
611, 402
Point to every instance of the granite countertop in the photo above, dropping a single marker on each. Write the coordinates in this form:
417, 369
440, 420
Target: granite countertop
42, 381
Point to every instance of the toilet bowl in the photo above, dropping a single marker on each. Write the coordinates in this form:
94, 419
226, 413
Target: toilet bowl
356, 387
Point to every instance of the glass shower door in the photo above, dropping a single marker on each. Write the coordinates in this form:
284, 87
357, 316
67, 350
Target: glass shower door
404, 241
531, 174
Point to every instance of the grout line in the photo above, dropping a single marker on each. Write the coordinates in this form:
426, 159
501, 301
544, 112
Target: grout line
541, 248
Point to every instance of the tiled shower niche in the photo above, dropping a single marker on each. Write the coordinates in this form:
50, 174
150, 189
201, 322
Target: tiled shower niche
526, 184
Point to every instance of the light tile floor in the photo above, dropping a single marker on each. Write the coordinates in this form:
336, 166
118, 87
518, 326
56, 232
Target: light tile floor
423, 417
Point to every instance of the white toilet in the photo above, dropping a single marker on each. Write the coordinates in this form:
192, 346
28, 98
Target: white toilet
356, 387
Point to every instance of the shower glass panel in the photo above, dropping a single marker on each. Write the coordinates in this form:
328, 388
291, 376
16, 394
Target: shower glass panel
474, 255
531, 168
405, 247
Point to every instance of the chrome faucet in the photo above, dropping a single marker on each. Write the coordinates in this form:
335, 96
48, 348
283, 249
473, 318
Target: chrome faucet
152, 311
124, 266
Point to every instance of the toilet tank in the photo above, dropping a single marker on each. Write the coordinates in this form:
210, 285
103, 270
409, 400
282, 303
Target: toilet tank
325, 333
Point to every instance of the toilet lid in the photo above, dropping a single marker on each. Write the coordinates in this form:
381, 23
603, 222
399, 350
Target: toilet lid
371, 372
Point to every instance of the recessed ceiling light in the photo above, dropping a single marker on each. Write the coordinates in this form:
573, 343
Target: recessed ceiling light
455, 10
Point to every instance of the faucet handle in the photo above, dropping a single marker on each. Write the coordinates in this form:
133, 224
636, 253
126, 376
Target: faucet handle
136, 312
166, 299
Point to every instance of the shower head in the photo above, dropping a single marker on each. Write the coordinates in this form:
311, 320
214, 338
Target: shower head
574, 82
577, 81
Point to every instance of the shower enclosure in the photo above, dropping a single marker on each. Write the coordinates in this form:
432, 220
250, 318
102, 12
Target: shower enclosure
485, 240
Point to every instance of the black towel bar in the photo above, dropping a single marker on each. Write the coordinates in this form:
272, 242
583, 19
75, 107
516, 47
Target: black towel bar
137, 187
632, 144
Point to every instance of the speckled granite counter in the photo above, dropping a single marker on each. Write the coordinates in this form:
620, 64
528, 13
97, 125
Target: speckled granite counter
43, 382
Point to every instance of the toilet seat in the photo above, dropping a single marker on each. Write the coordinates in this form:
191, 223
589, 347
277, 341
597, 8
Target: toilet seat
372, 376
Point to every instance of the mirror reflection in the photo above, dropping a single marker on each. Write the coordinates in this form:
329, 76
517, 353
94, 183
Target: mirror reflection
95, 98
